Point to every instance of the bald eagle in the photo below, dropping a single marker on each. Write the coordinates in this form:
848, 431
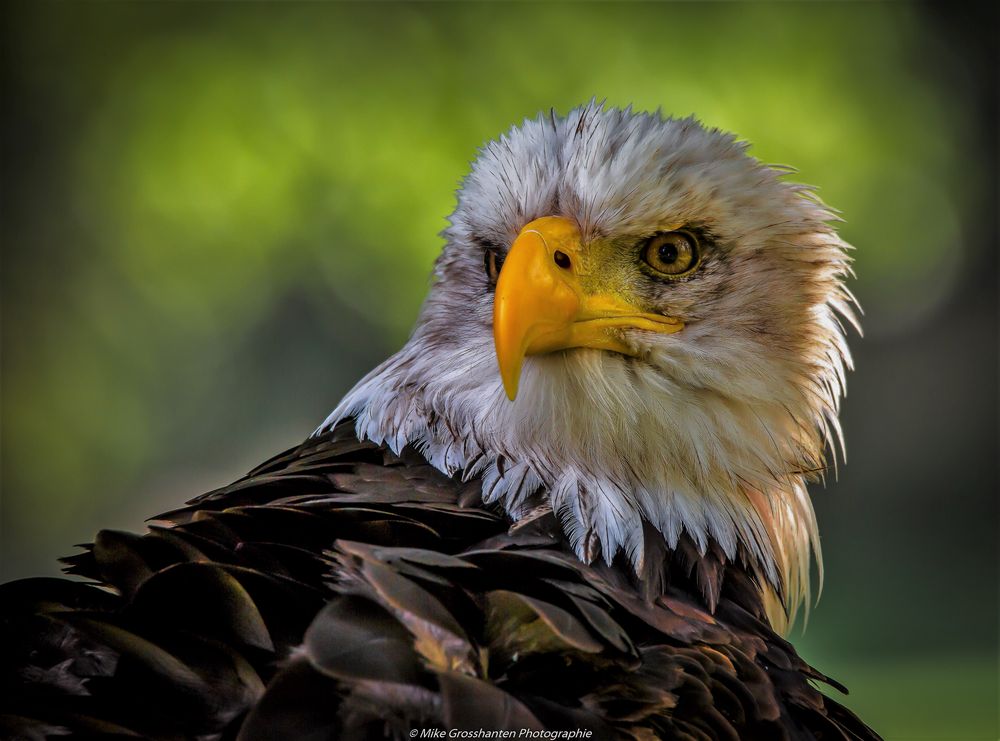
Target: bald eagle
573, 505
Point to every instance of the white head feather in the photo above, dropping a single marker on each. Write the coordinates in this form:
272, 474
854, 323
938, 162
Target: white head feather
713, 431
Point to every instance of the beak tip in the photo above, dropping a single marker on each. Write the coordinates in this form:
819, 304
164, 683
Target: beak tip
510, 387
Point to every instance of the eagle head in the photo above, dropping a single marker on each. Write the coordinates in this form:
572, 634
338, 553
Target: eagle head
636, 324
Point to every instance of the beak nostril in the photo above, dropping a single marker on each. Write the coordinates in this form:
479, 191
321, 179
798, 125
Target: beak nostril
562, 259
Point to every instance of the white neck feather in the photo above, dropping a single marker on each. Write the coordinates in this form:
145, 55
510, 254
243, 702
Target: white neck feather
612, 442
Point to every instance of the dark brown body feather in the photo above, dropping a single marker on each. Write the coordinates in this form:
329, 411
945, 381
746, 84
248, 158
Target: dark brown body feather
339, 591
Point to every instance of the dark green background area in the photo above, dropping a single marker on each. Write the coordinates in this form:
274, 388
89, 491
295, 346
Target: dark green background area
217, 217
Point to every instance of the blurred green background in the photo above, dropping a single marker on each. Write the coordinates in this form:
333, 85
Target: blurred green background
217, 216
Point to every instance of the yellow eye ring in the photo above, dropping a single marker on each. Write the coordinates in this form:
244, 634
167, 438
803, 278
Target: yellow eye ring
492, 262
673, 254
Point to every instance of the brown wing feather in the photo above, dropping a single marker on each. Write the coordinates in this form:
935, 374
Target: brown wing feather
340, 591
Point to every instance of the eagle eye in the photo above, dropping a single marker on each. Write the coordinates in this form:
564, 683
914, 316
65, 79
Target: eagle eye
673, 254
492, 261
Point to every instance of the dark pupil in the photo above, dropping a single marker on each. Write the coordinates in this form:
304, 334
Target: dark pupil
668, 253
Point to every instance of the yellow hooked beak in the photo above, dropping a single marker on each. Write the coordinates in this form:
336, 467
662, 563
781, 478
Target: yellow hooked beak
541, 304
